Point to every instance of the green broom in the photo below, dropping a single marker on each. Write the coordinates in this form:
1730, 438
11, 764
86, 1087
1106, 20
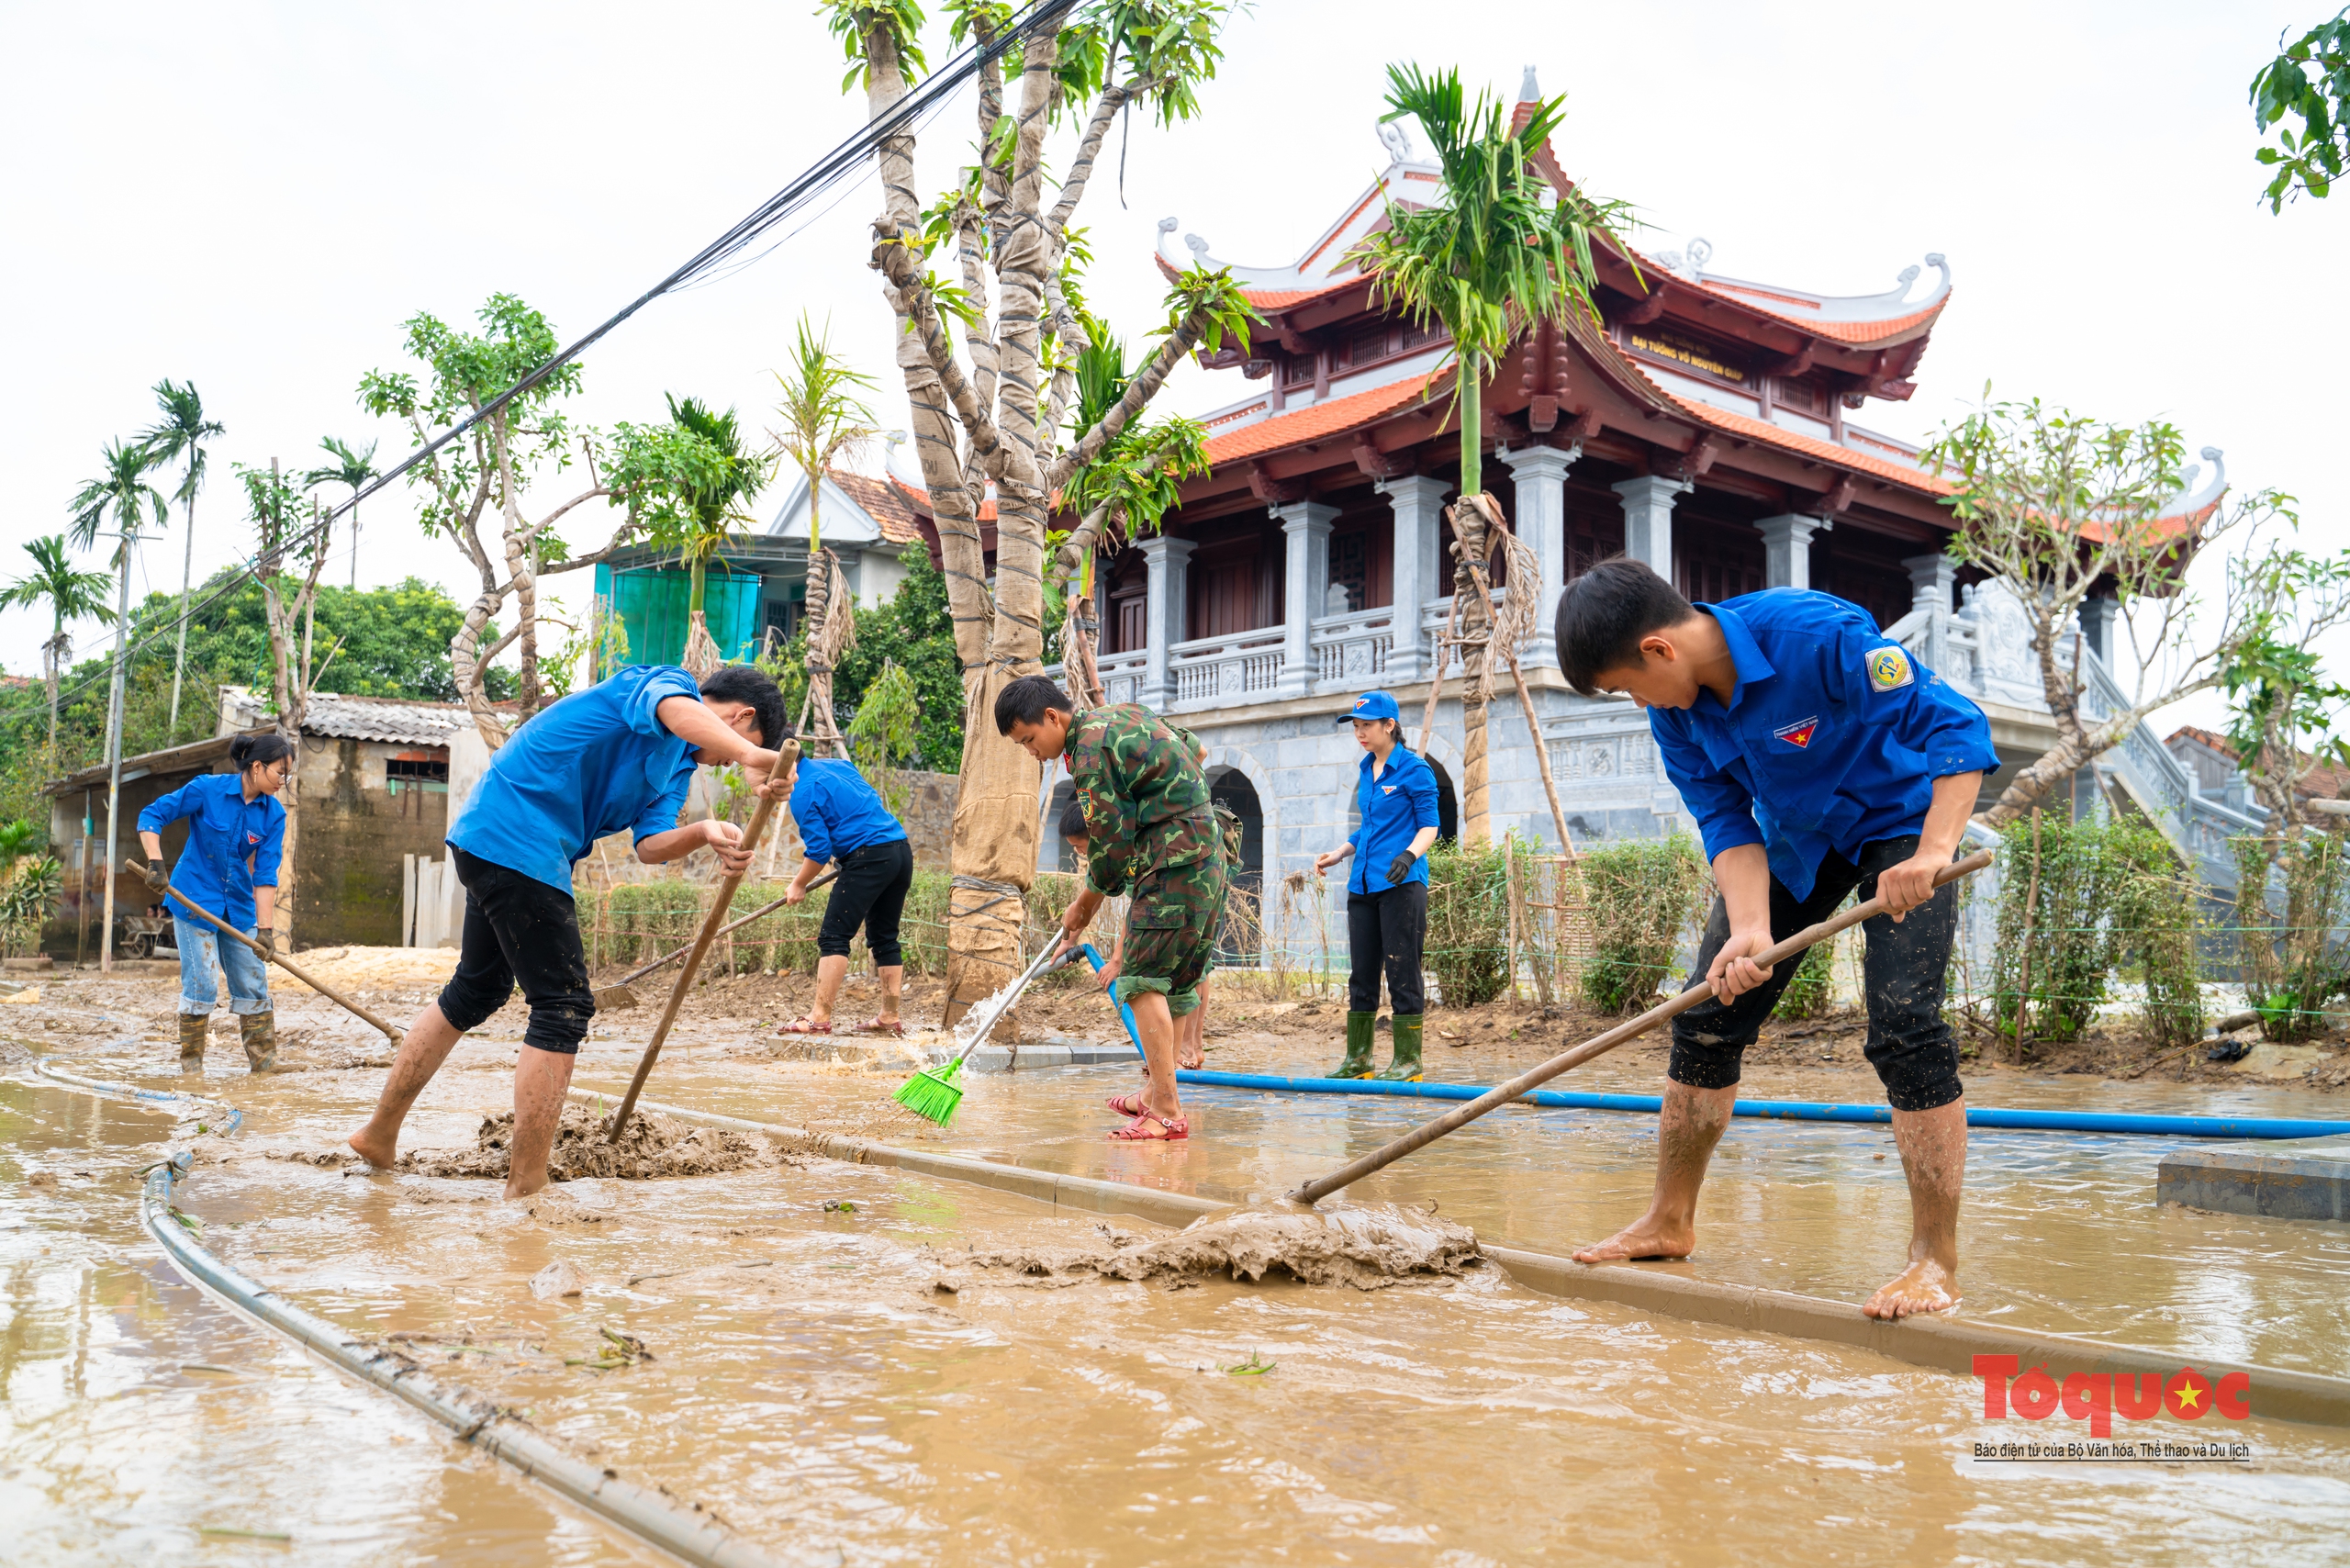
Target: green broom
933, 1093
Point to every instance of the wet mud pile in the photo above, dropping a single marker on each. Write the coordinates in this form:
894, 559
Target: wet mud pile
1368, 1249
653, 1146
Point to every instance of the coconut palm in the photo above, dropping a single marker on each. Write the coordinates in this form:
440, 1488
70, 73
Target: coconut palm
703, 514
179, 437
351, 468
1496, 249
823, 420
121, 492
70, 594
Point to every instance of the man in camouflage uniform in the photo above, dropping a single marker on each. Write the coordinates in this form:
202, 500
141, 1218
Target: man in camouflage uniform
1150, 830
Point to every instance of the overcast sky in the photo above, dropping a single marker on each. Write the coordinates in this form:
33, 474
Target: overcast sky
255, 196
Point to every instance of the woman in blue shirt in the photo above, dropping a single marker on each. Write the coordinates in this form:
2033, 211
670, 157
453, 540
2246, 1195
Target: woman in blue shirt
841, 818
1387, 896
236, 831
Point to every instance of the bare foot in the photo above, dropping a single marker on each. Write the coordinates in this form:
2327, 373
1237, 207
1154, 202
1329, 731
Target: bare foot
1647, 1236
1924, 1286
1193, 1063
379, 1152
517, 1188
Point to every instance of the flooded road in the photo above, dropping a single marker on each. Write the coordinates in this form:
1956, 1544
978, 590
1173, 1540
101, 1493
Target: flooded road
812, 1383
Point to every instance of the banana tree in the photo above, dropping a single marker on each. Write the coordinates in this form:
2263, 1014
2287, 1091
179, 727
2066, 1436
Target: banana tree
70, 594
179, 437
1494, 250
989, 353
823, 420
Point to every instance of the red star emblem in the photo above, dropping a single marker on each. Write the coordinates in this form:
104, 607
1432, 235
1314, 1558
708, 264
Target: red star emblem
1798, 735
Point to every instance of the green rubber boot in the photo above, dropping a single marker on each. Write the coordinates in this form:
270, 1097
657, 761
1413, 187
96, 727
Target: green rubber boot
260, 1032
1406, 1067
1358, 1058
194, 1027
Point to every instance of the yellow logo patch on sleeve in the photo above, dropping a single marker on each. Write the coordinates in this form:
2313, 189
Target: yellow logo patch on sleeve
1890, 669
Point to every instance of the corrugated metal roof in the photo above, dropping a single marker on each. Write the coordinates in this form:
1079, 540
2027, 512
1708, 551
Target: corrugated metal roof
393, 720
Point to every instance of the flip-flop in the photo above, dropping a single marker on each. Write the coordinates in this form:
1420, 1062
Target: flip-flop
1170, 1129
876, 1025
803, 1024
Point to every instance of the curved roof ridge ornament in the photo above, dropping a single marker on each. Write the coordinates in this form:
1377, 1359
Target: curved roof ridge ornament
1530, 91
1893, 302
1396, 140
2192, 499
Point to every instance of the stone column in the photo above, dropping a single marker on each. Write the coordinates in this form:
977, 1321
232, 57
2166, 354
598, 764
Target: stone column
1648, 519
1930, 580
1786, 549
1305, 533
1418, 501
1541, 521
1165, 600
2097, 615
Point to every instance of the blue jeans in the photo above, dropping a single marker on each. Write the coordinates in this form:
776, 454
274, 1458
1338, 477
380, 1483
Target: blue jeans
200, 944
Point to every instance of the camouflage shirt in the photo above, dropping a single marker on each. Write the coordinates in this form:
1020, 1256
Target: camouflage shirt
1145, 796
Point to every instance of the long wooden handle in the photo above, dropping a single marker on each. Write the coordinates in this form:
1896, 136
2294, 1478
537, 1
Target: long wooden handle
1534, 1078
764, 910
270, 954
789, 754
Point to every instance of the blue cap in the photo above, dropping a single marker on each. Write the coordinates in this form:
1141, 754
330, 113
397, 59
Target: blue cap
1372, 705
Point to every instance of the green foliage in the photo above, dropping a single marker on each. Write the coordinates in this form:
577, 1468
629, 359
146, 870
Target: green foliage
121, 492
2284, 703
1812, 990
2307, 80
1166, 49
56, 584
858, 23
1642, 897
698, 506
887, 731
30, 891
1139, 475
914, 632
179, 436
637, 922
823, 418
2293, 970
2111, 895
350, 467
1468, 933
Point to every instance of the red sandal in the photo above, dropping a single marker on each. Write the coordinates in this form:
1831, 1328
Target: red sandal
1127, 1104
876, 1025
1170, 1129
803, 1024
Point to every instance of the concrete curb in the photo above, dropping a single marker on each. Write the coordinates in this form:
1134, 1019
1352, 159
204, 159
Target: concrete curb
1943, 1344
2305, 1180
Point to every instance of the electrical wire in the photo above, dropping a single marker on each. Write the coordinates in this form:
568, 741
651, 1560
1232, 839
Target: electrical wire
833, 167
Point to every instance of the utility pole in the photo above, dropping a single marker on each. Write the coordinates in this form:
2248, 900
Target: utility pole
114, 742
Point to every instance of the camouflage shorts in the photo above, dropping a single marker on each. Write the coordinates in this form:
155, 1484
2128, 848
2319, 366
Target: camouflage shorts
1171, 932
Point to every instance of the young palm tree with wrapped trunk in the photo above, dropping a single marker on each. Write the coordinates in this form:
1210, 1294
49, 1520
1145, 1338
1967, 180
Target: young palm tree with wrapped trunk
1495, 250
70, 595
991, 412
707, 511
179, 437
823, 422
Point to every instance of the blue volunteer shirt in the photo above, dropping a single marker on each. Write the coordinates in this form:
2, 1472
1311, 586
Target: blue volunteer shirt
232, 848
838, 812
1394, 806
1832, 739
595, 763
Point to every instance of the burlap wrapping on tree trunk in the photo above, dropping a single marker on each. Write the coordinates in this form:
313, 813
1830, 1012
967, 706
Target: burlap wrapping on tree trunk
701, 653
994, 843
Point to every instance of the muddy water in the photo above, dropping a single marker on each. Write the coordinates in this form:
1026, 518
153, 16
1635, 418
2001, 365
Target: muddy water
812, 1383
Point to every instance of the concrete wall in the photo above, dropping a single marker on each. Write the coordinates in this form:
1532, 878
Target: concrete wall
83, 860
353, 827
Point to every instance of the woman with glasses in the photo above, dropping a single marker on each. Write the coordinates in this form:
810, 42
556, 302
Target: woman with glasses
236, 831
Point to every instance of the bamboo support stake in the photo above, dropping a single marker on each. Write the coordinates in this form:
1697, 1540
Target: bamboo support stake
1542, 756
1534, 1078
790, 755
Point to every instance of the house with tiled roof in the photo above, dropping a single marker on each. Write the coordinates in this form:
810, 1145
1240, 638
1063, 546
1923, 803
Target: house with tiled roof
1718, 427
756, 586
2218, 767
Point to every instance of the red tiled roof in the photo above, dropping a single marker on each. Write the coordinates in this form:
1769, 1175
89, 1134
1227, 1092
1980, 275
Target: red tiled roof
1329, 418
1793, 311
1811, 446
2319, 781
881, 502
1272, 299
920, 498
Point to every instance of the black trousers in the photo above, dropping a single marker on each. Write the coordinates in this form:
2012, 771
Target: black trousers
1906, 974
871, 892
519, 929
1387, 930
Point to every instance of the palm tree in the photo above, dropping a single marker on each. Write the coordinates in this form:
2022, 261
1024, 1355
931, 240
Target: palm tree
1495, 251
707, 512
71, 596
822, 421
123, 491
351, 468
179, 437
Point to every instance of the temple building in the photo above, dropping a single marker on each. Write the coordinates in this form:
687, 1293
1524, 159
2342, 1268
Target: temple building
1715, 428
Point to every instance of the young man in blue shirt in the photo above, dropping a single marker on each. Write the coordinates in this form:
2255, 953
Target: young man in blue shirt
842, 818
618, 756
1820, 759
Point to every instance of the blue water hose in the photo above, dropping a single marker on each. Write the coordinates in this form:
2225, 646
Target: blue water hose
1125, 1013
2124, 1123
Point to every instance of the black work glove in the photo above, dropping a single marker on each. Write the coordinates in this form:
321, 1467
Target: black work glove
266, 940
159, 881
1401, 867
